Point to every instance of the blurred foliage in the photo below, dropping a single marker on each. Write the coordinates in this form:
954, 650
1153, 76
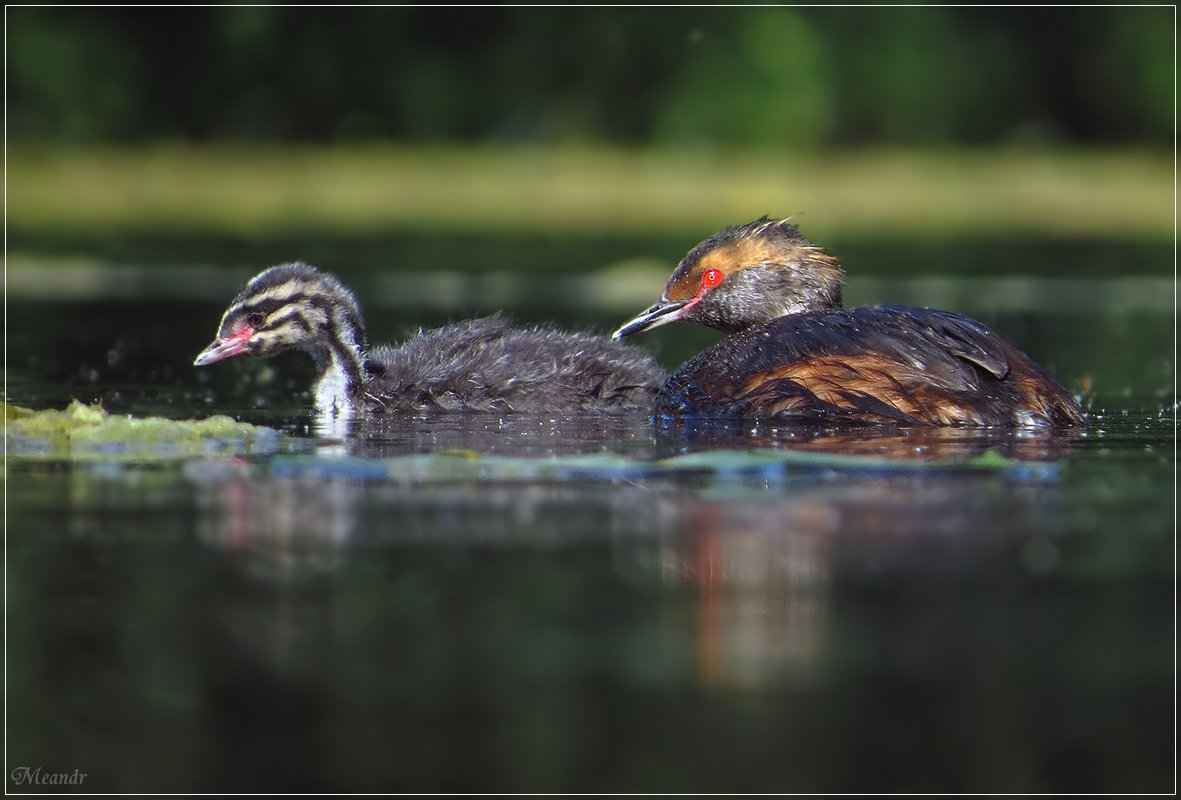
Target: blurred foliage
255, 189
753, 76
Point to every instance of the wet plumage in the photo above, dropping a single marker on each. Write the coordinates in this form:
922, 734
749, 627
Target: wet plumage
485, 364
793, 352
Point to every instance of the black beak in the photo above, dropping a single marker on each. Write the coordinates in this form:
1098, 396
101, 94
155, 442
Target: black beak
659, 314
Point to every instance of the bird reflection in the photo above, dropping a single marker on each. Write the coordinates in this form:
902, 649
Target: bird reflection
278, 526
763, 569
915, 443
539, 436
762, 577
759, 553
517, 435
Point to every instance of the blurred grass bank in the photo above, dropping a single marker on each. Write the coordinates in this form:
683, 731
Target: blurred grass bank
265, 191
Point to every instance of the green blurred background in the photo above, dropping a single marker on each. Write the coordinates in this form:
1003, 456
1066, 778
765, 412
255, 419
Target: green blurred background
258, 123
770, 78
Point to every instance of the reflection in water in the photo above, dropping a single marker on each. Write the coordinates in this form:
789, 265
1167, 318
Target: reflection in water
758, 554
230, 625
763, 568
762, 577
282, 527
924, 443
533, 436
518, 435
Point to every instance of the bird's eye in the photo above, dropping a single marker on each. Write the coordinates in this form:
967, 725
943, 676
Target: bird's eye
711, 278
256, 319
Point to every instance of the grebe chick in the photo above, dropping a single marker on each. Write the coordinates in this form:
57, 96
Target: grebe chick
794, 352
483, 364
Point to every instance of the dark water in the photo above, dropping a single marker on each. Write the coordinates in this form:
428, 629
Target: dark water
584, 604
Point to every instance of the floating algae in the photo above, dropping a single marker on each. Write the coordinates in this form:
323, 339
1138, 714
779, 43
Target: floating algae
88, 432
724, 465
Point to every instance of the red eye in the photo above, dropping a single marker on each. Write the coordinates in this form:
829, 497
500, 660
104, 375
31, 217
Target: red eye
711, 278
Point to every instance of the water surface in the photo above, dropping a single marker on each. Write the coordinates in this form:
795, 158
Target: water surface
556, 604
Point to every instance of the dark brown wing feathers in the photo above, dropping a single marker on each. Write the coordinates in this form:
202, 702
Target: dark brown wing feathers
877, 364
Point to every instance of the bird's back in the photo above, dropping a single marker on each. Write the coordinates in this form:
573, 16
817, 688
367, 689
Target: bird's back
878, 364
488, 364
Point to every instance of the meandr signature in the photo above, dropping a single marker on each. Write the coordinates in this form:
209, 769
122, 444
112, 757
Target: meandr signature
39, 776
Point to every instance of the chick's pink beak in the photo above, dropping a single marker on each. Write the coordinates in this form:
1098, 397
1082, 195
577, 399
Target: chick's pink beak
232, 345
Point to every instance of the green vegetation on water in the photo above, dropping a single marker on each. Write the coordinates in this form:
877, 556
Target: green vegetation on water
87, 431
